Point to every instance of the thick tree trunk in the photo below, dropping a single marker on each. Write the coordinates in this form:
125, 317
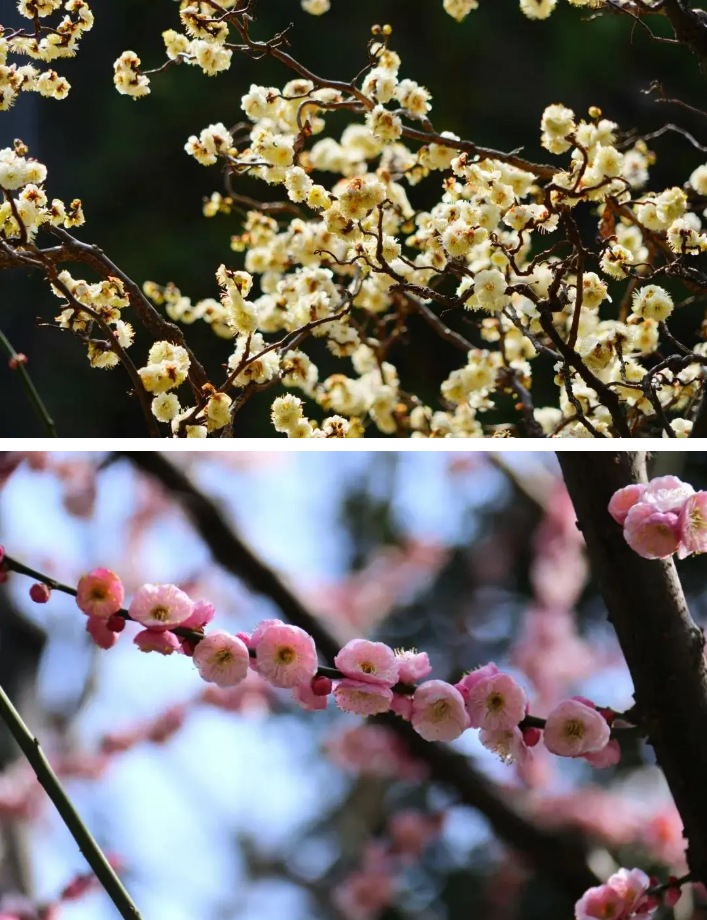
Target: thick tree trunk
661, 643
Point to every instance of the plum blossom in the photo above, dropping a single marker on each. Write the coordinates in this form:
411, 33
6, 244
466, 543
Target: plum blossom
622, 896
465, 685
509, 744
362, 697
496, 703
650, 533
99, 593
667, 493
222, 659
202, 614
693, 525
607, 757
413, 666
285, 655
157, 640
438, 711
368, 661
624, 499
574, 728
100, 632
160, 606
308, 698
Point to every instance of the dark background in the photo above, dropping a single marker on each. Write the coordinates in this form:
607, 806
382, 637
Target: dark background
491, 77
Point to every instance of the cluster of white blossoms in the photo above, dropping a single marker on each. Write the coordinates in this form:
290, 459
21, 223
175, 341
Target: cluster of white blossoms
535, 9
22, 214
345, 265
46, 43
358, 253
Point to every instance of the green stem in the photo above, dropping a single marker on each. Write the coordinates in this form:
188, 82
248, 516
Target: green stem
32, 393
48, 779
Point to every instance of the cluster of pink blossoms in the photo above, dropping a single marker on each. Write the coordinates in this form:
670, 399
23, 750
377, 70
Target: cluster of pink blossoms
664, 517
371, 678
626, 895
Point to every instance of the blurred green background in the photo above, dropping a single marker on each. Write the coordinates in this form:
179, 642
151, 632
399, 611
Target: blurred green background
491, 77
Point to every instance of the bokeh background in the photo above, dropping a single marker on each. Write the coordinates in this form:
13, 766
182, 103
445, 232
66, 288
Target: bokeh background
491, 77
241, 806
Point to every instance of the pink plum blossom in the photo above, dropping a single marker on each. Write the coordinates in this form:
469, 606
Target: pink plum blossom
607, 757
631, 885
100, 593
402, 706
413, 666
573, 728
624, 499
652, 534
308, 699
202, 614
102, 635
496, 703
362, 697
470, 680
509, 744
221, 659
160, 606
157, 640
693, 525
257, 633
599, 903
372, 662
438, 711
285, 655
667, 493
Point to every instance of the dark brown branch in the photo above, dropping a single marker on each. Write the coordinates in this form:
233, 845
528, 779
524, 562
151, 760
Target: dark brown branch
662, 645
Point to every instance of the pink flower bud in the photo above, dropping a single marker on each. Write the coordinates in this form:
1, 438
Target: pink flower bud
40, 593
321, 685
188, 646
531, 736
672, 894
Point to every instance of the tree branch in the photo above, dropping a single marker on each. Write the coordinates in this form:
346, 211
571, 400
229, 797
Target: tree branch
662, 644
561, 855
49, 781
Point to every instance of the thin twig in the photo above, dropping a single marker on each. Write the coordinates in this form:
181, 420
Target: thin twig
48, 780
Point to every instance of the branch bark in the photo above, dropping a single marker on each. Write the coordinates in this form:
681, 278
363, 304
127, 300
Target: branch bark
663, 647
559, 855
